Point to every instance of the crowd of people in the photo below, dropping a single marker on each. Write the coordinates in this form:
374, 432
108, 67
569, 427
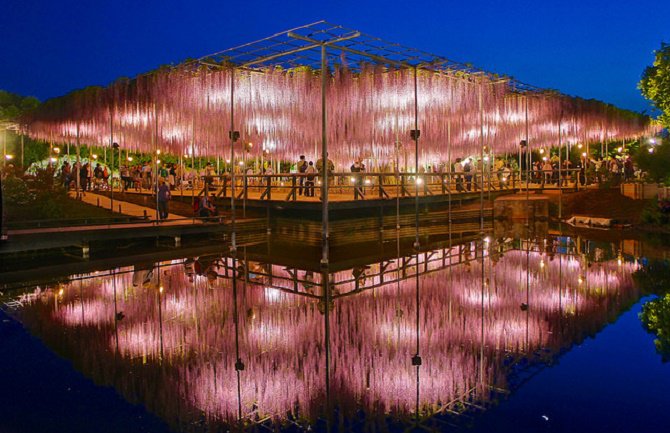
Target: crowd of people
465, 174
90, 178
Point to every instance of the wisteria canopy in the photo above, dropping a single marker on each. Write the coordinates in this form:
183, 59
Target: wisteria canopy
370, 93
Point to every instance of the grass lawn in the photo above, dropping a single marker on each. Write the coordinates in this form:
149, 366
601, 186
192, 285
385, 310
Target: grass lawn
61, 212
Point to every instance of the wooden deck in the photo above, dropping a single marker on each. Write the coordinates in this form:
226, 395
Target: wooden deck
348, 191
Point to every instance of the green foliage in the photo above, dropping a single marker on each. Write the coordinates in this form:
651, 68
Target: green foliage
655, 83
651, 214
655, 318
12, 106
656, 164
15, 192
42, 198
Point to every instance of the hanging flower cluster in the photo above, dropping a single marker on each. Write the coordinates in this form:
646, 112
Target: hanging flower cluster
186, 110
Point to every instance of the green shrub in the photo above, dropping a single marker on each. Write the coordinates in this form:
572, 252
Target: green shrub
653, 214
15, 192
655, 318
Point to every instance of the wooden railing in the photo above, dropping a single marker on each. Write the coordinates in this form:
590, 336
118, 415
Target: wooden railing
366, 186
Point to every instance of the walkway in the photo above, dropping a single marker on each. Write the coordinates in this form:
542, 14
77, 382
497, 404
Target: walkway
130, 209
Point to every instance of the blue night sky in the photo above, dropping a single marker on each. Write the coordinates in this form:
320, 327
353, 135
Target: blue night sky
591, 48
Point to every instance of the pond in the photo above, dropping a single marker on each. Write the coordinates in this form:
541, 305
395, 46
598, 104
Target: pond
484, 333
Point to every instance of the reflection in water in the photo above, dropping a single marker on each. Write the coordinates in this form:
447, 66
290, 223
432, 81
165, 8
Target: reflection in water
216, 339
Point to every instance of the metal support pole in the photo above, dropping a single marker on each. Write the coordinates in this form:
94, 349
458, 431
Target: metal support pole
156, 160
481, 161
78, 174
416, 159
325, 282
324, 164
520, 176
560, 168
449, 174
111, 169
529, 161
193, 176
233, 245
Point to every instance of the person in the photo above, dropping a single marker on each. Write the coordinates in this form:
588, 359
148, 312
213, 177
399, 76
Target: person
126, 180
498, 167
207, 208
136, 176
547, 168
66, 175
163, 198
97, 174
309, 182
582, 172
146, 175
302, 168
566, 175
89, 174
163, 172
458, 170
319, 165
105, 178
250, 180
83, 177
615, 169
172, 176
357, 167
209, 175
628, 169
537, 172
506, 174
467, 169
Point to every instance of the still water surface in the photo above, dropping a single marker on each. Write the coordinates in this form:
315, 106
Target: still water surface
487, 335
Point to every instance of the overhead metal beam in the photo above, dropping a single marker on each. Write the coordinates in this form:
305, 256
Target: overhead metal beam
332, 43
314, 44
278, 55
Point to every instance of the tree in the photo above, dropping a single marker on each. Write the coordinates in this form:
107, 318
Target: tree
656, 164
655, 83
12, 105
654, 279
655, 318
